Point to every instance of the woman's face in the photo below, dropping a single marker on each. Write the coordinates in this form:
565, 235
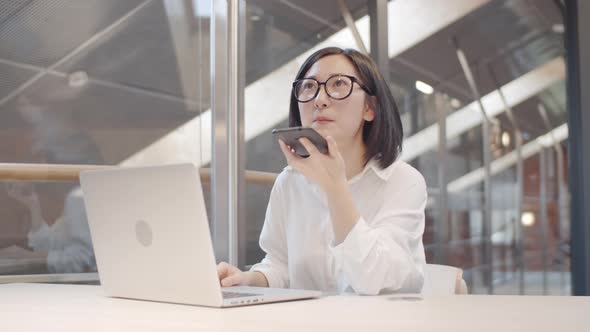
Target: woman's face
341, 119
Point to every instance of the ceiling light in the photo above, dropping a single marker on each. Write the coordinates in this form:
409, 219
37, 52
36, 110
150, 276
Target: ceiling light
527, 219
255, 18
77, 79
455, 103
505, 139
558, 28
424, 88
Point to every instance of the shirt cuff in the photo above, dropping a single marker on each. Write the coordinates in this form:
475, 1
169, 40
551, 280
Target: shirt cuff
274, 280
356, 246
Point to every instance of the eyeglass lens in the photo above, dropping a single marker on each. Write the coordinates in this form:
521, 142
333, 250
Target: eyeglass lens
337, 87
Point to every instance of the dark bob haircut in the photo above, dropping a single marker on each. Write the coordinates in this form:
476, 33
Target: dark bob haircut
383, 136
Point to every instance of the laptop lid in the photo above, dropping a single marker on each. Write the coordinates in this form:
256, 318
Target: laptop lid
151, 234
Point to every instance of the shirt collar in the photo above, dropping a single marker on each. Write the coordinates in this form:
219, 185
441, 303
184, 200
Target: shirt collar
373, 166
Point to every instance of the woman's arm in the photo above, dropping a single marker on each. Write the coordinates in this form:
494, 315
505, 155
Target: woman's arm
371, 255
386, 253
230, 275
329, 172
273, 239
272, 271
343, 211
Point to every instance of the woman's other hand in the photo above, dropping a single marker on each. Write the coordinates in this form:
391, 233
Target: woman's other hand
230, 275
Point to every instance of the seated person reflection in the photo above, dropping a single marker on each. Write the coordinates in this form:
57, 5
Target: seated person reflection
351, 220
65, 245
62, 242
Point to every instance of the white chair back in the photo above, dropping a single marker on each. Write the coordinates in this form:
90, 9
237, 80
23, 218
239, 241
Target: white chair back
442, 280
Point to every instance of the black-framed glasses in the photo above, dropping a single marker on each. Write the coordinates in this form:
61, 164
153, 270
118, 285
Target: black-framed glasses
337, 87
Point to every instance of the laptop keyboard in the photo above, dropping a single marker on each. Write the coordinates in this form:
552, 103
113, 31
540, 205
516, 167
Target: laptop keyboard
233, 295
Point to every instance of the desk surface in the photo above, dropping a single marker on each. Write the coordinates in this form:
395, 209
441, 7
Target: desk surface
39, 307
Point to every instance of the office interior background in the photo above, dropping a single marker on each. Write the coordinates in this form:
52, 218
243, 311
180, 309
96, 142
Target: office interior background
481, 86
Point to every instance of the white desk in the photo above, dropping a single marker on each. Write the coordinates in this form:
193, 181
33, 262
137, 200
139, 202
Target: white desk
37, 307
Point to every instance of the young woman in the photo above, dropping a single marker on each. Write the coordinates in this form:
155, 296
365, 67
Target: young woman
353, 219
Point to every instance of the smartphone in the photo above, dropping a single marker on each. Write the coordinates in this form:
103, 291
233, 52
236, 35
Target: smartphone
292, 135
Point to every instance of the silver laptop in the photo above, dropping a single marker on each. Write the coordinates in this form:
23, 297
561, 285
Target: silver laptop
151, 239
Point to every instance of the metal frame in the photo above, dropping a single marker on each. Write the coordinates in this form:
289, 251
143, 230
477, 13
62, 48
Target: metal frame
578, 80
352, 26
441, 106
562, 199
238, 83
543, 229
378, 22
219, 108
227, 105
518, 140
191, 103
487, 250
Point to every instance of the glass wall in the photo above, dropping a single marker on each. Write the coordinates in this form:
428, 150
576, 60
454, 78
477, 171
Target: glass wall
95, 83
129, 83
512, 240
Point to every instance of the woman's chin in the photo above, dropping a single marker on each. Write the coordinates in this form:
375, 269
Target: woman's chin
323, 131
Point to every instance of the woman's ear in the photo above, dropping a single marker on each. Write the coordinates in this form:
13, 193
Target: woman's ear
369, 112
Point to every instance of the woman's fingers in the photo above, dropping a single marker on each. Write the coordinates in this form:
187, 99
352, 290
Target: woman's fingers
223, 269
292, 158
232, 280
228, 274
332, 146
286, 151
309, 146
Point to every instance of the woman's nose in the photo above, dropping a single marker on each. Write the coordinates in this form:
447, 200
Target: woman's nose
322, 100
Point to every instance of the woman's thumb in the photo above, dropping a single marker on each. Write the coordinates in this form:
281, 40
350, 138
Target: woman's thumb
332, 146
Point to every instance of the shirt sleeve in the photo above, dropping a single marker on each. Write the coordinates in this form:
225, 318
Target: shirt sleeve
47, 238
67, 242
386, 253
273, 241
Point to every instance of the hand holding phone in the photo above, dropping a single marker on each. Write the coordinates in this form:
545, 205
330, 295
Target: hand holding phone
292, 135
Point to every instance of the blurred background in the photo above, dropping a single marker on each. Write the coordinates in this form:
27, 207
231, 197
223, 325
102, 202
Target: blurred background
481, 86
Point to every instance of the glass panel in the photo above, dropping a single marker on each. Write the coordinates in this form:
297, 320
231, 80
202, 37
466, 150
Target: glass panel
515, 46
504, 43
102, 83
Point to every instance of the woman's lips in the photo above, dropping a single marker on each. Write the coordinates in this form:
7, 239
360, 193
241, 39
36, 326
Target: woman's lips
322, 120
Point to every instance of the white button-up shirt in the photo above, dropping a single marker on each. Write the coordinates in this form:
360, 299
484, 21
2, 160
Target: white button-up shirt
383, 252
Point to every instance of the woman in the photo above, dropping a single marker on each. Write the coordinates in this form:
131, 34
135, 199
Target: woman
351, 220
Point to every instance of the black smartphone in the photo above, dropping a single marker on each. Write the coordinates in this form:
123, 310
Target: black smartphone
292, 135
